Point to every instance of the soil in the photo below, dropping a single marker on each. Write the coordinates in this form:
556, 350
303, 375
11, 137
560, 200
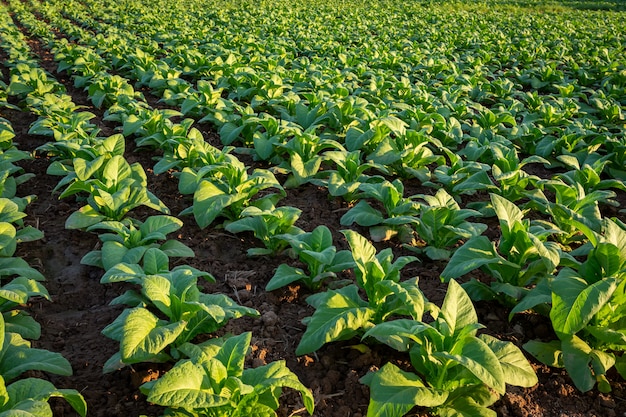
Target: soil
79, 308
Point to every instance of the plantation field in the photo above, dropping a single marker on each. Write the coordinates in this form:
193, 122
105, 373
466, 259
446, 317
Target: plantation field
218, 208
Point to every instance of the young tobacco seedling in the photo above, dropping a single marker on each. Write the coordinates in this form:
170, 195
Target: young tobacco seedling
269, 224
315, 249
127, 241
342, 314
458, 373
213, 382
523, 257
121, 188
400, 212
183, 310
442, 224
227, 191
348, 175
304, 159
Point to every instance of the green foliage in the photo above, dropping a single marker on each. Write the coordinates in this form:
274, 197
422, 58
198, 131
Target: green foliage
342, 314
399, 214
128, 241
441, 225
458, 372
169, 310
120, 188
315, 249
588, 312
214, 382
523, 257
269, 224
227, 191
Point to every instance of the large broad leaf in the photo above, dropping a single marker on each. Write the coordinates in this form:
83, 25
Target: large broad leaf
474, 253
232, 354
516, 368
160, 224
18, 357
457, 308
83, 218
574, 302
394, 392
399, 334
145, 336
508, 213
362, 214
112, 253
189, 386
549, 353
17, 321
577, 361
209, 201
480, 360
176, 249
40, 390
285, 275
123, 272
341, 316
116, 170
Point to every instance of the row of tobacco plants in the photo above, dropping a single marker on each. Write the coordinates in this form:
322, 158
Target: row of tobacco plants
19, 283
347, 98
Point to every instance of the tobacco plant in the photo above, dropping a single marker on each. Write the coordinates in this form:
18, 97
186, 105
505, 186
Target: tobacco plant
120, 188
213, 382
128, 241
399, 214
522, 258
588, 310
343, 313
269, 224
168, 311
315, 249
442, 224
457, 371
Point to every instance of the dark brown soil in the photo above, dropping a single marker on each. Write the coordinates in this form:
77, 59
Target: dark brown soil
72, 322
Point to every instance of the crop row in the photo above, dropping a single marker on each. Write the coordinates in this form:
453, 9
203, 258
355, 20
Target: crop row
360, 125
21, 282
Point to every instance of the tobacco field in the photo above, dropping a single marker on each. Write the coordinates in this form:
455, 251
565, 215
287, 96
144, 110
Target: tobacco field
212, 208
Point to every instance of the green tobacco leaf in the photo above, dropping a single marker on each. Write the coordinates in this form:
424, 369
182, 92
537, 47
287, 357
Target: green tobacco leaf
188, 386
18, 357
284, 276
394, 392
517, 371
457, 308
160, 224
145, 336
362, 214
155, 261
341, 316
398, 334
480, 360
270, 378
36, 389
574, 302
123, 272
508, 213
548, 353
576, 359
83, 218
476, 252
232, 354
176, 249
